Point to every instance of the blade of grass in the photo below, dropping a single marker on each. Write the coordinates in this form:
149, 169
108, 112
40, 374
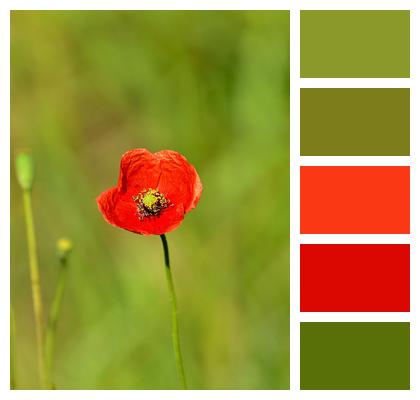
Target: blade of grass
25, 176
35, 283
64, 247
12, 351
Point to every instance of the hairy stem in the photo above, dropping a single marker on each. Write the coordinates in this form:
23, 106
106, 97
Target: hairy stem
175, 329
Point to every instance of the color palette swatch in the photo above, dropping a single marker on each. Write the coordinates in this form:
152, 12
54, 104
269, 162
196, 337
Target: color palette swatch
355, 200
355, 122
366, 274
355, 278
355, 355
355, 44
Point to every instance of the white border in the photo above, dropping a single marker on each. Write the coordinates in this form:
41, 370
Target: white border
294, 6
5, 201
294, 198
210, 4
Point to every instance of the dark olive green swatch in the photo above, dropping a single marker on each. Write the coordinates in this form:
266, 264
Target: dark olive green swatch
355, 122
355, 44
355, 355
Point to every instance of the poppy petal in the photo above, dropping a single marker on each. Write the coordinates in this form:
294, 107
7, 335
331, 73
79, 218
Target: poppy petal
120, 210
179, 179
139, 169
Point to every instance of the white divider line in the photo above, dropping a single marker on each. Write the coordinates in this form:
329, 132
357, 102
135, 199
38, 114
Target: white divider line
355, 239
332, 83
355, 161
354, 317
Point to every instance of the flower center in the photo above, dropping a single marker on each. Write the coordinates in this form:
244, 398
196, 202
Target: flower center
150, 202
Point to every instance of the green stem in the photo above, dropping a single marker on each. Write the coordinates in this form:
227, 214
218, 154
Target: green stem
175, 330
35, 282
12, 351
52, 323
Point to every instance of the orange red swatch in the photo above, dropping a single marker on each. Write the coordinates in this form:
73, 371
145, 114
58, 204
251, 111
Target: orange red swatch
355, 200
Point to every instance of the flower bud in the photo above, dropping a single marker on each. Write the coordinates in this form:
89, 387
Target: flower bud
25, 169
64, 248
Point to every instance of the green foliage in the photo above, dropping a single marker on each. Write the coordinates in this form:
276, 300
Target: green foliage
86, 87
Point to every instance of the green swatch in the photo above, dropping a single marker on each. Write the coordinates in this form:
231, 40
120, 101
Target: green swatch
355, 122
355, 44
354, 355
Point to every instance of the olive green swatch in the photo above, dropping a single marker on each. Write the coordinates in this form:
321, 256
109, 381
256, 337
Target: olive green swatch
355, 122
355, 44
354, 355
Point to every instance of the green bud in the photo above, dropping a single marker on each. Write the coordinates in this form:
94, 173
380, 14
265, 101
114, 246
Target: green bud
64, 248
25, 169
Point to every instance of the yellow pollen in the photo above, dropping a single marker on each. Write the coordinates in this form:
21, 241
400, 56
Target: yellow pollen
149, 199
150, 202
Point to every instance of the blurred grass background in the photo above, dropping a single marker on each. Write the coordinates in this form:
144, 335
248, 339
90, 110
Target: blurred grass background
88, 85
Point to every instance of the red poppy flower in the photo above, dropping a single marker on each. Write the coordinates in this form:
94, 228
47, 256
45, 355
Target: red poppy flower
154, 192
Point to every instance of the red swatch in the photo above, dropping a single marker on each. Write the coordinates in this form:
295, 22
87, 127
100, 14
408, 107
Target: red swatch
354, 200
355, 277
